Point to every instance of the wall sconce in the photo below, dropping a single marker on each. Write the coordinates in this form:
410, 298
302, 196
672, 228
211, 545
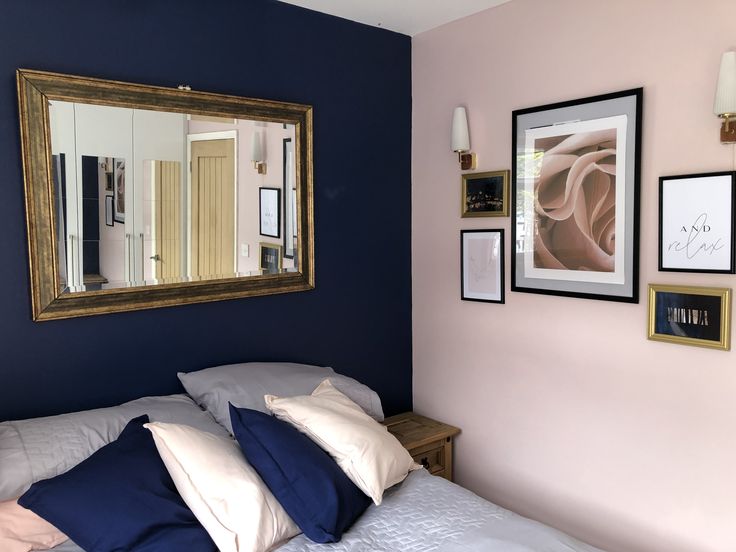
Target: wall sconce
256, 153
725, 103
461, 139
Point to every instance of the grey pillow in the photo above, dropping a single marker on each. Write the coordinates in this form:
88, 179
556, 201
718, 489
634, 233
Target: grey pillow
245, 384
40, 448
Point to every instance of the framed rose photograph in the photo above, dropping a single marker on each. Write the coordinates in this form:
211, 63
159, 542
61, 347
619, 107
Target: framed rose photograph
696, 222
485, 194
690, 315
482, 265
575, 175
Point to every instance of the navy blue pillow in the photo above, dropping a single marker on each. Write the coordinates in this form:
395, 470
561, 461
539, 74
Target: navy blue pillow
120, 498
305, 479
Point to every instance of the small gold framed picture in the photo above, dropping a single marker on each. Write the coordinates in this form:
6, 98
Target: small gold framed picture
270, 258
485, 194
690, 315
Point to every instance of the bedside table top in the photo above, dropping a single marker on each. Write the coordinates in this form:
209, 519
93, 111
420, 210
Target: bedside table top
413, 430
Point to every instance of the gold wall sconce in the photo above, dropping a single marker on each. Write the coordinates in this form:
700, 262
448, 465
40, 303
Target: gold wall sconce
461, 139
725, 102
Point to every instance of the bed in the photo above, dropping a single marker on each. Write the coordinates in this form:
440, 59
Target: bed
420, 513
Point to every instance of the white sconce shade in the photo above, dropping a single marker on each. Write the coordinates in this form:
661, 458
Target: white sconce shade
725, 103
256, 152
726, 90
460, 135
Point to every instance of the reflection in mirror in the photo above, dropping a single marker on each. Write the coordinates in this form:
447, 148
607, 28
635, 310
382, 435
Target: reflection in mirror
149, 197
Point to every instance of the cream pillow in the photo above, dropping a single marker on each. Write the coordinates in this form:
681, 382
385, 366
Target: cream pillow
22, 531
370, 456
225, 493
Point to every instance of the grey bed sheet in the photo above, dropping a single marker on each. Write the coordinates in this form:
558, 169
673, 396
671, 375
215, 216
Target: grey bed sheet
430, 514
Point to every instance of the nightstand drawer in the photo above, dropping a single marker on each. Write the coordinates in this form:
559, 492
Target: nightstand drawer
431, 456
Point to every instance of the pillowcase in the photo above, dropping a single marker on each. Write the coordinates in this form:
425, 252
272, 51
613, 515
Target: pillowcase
39, 448
244, 385
308, 483
22, 531
120, 498
223, 491
370, 456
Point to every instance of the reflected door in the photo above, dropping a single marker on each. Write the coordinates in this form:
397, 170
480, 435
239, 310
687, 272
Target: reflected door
213, 205
167, 210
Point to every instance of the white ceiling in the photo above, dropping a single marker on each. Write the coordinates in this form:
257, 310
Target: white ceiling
409, 17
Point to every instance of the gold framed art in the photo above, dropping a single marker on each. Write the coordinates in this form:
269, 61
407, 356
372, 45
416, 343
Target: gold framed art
271, 258
485, 194
690, 315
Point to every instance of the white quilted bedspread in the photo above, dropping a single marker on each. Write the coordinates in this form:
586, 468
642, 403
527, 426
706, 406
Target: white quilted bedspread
426, 514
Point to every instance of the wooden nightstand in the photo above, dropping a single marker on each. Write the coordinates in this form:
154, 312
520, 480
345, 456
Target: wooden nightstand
428, 441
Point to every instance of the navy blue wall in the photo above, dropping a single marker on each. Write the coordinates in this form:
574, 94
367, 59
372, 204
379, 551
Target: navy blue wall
358, 319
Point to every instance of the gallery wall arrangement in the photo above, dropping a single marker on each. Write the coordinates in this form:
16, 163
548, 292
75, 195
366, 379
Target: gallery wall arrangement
545, 374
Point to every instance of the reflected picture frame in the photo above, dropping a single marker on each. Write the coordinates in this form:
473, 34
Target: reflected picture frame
109, 220
119, 190
576, 177
482, 266
269, 211
485, 194
690, 315
270, 258
697, 227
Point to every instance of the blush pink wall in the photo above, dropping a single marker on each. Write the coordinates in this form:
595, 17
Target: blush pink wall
569, 414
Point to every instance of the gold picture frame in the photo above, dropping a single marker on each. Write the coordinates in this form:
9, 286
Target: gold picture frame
277, 249
480, 194
690, 315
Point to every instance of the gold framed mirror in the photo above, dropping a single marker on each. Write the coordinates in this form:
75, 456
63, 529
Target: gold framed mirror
142, 196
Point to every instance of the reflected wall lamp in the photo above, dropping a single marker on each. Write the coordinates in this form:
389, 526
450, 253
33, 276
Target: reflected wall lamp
256, 153
725, 102
461, 139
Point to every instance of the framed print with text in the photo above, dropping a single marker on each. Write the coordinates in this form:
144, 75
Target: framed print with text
690, 315
575, 175
269, 202
696, 222
482, 266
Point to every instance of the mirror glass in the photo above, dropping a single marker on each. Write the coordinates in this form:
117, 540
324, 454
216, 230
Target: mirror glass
152, 197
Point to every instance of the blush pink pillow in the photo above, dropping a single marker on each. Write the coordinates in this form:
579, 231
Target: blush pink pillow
22, 531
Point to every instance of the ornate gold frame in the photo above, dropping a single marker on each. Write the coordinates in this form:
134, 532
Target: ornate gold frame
724, 342
36, 88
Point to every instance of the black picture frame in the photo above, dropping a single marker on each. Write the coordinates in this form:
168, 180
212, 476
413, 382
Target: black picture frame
608, 269
488, 270
119, 190
269, 208
109, 220
688, 212
289, 193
